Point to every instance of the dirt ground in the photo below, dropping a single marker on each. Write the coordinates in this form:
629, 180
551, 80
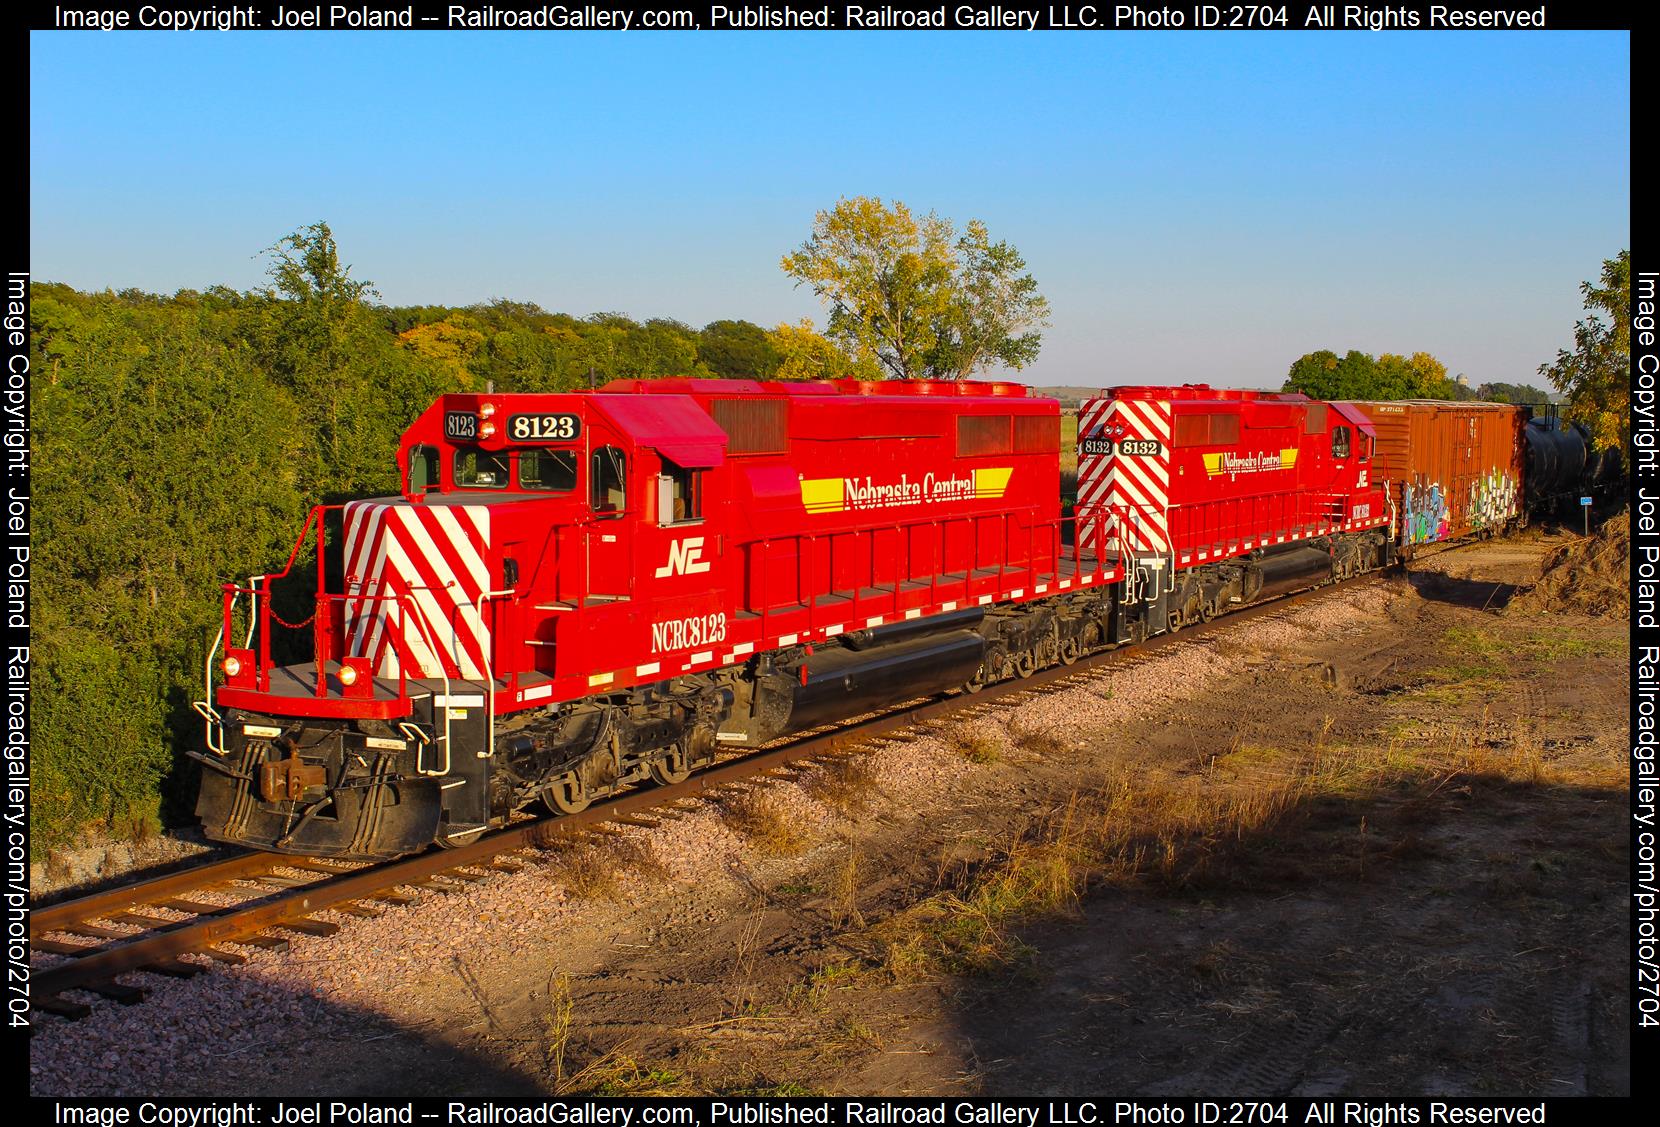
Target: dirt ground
1381, 857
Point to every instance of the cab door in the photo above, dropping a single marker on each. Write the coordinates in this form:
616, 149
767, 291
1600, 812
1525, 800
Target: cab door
611, 520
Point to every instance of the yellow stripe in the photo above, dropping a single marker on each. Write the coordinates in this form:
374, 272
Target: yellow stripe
992, 481
822, 495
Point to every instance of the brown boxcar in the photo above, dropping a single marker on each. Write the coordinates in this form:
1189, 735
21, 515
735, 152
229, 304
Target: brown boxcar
1452, 469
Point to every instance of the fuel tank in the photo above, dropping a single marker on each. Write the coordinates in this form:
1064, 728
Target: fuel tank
1288, 570
840, 683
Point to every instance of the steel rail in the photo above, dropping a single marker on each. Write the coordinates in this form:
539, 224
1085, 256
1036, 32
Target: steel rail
124, 898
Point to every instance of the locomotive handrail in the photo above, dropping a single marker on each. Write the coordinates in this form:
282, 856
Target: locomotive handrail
408, 612
760, 553
489, 676
432, 644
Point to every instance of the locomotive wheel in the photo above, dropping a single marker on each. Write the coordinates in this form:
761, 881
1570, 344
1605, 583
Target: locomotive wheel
1025, 663
566, 794
1071, 651
1207, 610
672, 767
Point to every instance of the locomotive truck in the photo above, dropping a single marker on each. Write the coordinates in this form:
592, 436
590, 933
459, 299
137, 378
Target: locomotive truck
582, 592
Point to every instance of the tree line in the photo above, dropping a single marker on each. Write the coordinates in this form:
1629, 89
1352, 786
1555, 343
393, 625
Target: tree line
1362, 376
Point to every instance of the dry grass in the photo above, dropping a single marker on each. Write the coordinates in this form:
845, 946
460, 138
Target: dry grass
844, 891
1253, 817
1590, 575
973, 744
846, 785
741, 989
557, 1029
597, 869
1035, 741
764, 824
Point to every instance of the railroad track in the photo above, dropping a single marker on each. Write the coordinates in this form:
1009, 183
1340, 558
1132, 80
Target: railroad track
279, 894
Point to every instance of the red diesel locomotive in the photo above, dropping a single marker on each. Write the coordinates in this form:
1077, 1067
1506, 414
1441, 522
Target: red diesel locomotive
580, 592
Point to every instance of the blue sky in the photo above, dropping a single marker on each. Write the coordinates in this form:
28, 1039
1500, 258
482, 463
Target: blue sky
1196, 206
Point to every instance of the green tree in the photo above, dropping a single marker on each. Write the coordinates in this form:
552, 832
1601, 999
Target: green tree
737, 350
906, 294
806, 354
994, 313
1512, 393
1359, 375
1314, 374
1596, 375
1325, 375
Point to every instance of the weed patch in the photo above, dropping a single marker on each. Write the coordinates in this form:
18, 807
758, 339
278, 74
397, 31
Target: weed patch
764, 824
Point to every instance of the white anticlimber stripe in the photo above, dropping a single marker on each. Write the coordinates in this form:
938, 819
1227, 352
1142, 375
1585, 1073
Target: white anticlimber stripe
370, 619
385, 611
359, 515
470, 557
467, 618
438, 620
414, 639
1142, 416
1150, 487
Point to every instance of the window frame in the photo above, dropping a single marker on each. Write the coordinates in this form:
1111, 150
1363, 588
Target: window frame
506, 457
431, 456
1346, 435
596, 476
667, 489
547, 490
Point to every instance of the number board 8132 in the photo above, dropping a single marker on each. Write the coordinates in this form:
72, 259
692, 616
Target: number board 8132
543, 428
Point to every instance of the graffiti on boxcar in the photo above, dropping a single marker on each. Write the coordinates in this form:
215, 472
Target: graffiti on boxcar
1494, 499
1423, 512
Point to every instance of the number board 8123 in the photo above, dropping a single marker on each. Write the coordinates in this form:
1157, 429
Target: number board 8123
543, 428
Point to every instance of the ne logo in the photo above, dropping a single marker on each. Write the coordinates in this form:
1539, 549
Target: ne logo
685, 558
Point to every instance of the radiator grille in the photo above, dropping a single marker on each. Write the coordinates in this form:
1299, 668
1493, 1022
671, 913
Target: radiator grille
753, 426
984, 434
1037, 434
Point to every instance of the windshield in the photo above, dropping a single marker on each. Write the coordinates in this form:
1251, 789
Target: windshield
480, 469
547, 470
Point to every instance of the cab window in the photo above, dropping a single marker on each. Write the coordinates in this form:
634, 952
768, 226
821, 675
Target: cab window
480, 469
1340, 442
551, 471
679, 495
608, 476
1365, 446
423, 470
